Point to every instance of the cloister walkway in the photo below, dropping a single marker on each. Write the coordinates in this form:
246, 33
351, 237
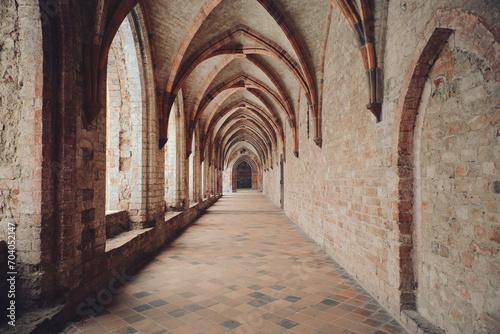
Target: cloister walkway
243, 267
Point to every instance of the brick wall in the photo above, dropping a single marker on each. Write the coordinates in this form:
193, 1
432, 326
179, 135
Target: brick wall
351, 197
117, 222
55, 193
458, 206
21, 87
406, 200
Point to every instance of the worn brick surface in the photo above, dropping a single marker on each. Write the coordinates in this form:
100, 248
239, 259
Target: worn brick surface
458, 207
146, 107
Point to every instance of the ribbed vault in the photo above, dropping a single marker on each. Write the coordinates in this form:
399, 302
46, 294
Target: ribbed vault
240, 67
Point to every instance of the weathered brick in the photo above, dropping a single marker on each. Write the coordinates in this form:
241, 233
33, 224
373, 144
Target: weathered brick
362, 195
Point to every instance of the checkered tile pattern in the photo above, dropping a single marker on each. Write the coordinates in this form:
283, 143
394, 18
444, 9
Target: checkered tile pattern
243, 267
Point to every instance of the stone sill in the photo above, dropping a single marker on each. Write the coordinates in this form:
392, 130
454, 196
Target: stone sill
171, 214
124, 238
113, 212
127, 236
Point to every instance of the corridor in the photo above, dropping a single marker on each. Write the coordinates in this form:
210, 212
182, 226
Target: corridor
243, 267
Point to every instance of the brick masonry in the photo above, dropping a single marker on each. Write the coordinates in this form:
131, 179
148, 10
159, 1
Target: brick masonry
458, 207
408, 205
344, 194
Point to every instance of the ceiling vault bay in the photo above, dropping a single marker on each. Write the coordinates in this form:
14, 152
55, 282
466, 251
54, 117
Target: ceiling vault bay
241, 66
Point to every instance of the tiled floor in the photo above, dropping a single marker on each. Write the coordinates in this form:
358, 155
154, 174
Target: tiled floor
242, 268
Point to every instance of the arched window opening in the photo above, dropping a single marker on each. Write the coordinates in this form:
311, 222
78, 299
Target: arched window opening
202, 184
227, 179
171, 161
191, 167
123, 134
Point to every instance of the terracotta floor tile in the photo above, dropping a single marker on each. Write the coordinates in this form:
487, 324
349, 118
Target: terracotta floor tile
115, 324
202, 324
244, 308
300, 317
152, 313
245, 265
144, 324
328, 317
205, 313
154, 329
95, 330
333, 329
274, 329
215, 329
172, 324
219, 308
185, 330
302, 329
285, 312
231, 313
355, 317
362, 329
71, 330
122, 314
217, 318
315, 323
346, 323
311, 311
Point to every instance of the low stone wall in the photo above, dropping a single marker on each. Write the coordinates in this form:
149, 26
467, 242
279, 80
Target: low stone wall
124, 254
116, 222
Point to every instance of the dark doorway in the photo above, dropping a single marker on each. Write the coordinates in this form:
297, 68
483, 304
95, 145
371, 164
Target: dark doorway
244, 176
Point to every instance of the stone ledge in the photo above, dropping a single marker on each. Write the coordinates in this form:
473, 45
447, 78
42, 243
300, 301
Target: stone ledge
124, 238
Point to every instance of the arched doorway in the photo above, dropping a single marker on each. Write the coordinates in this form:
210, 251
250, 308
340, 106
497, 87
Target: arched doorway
244, 176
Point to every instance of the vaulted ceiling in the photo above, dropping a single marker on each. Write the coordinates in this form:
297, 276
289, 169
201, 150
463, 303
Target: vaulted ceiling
242, 65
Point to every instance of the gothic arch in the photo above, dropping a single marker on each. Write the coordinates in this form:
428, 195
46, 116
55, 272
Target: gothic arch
436, 34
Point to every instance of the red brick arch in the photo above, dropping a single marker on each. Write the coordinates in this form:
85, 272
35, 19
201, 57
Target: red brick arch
236, 158
238, 135
96, 49
255, 119
287, 28
243, 80
215, 47
470, 34
234, 123
256, 172
275, 123
360, 21
273, 117
218, 114
285, 99
256, 127
237, 139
